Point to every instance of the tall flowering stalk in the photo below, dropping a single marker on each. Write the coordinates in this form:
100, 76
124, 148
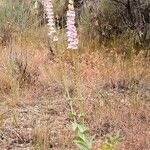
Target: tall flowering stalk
71, 29
52, 33
73, 45
48, 6
79, 128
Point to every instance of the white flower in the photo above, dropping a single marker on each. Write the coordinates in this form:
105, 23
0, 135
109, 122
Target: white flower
50, 16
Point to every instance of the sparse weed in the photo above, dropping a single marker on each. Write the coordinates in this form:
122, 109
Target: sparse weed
41, 138
111, 143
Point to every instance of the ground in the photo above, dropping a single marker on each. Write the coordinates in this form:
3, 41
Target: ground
113, 104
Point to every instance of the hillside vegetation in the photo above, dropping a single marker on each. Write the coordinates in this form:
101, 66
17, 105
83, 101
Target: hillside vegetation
93, 97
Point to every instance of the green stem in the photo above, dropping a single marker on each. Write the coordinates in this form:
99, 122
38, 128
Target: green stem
76, 76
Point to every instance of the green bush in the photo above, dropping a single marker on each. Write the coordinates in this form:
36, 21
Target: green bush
16, 17
108, 20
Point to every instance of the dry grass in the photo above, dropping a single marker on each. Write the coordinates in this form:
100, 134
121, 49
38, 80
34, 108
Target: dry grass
116, 93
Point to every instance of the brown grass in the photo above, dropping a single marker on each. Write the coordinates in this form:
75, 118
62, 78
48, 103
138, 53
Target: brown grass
116, 93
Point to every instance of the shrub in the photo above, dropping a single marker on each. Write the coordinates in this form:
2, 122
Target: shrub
109, 19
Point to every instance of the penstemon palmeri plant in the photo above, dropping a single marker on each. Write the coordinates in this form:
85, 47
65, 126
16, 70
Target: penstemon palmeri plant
48, 5
80, 130
73, 46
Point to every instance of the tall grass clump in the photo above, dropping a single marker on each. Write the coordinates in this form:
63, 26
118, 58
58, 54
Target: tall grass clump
11, 72
17, 19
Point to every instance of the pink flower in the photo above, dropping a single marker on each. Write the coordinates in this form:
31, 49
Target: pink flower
71, 29
50, 16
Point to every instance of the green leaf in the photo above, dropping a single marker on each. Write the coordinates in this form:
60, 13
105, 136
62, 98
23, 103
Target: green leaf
82, 128
82, 114
92, 138
74, 126
82, 147
79, 128
82, 142
72, 114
